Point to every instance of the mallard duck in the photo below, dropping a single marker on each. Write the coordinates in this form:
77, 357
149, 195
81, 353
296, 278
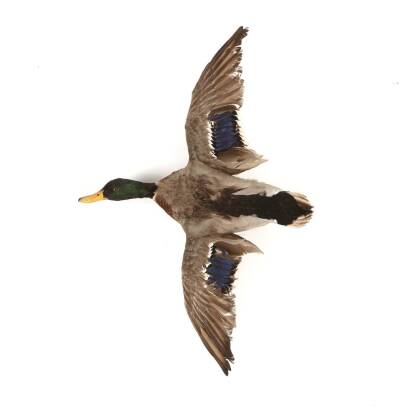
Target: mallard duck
211, 203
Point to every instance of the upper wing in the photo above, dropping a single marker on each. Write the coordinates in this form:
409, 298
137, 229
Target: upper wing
208, 271
212, 129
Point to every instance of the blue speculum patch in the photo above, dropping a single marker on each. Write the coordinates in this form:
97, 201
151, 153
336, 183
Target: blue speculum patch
225, 131
221, 270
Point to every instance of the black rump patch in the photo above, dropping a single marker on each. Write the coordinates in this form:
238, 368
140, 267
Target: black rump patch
282, 207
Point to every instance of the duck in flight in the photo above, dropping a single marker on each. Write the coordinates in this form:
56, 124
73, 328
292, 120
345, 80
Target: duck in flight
211, 203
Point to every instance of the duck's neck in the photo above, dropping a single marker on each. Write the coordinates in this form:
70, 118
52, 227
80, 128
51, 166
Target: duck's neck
129, 189
141, 189
146, 190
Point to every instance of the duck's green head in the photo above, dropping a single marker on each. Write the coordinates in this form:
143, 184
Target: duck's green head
120, 189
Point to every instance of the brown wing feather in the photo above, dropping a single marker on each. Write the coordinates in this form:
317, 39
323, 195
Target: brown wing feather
212, 312
219, 88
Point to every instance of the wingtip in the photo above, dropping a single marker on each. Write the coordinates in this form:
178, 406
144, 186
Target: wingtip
241, 32
226, 367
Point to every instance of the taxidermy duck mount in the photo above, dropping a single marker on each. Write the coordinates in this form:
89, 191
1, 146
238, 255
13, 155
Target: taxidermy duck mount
212, 204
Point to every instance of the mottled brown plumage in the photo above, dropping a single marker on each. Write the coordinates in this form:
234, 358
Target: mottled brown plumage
196, 197
211, 203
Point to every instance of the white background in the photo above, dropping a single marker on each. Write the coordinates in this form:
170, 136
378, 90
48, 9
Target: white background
91, 304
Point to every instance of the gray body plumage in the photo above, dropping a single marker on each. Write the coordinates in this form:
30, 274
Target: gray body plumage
191, 194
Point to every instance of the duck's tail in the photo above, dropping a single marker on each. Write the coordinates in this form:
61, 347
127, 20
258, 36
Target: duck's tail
286, 208
305, 209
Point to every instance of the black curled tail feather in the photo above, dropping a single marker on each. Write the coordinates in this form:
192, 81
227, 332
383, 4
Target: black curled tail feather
305, 206
286, 208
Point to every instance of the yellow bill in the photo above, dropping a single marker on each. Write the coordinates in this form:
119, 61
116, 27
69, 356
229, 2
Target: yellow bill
99, 196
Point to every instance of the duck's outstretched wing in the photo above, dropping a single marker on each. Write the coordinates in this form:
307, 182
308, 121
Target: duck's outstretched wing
212, 129
208, 272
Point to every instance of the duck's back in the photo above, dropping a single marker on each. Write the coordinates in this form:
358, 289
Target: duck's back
207, 201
